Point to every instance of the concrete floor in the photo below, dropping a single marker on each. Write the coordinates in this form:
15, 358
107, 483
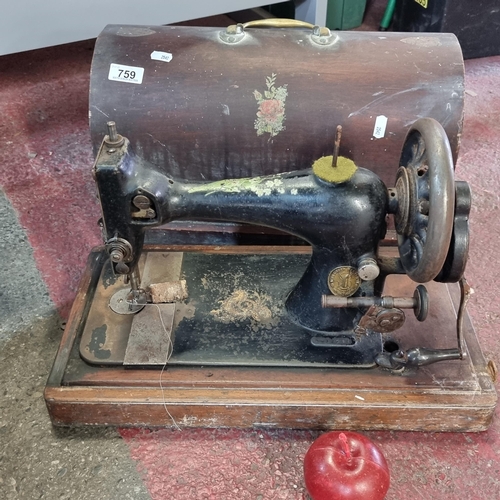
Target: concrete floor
48, 217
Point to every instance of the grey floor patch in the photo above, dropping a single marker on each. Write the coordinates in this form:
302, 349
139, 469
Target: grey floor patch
24, 297
39, 461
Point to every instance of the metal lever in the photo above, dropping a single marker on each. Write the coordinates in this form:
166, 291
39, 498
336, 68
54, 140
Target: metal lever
415, 357
420, 356
419, 302
465, 293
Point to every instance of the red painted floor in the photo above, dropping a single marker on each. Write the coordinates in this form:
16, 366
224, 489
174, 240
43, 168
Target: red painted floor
45, 161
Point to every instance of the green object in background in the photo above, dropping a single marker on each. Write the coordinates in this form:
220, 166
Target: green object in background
345, 14
388, 15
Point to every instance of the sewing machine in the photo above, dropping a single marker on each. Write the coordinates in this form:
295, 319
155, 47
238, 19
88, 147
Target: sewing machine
278, 297
340, 210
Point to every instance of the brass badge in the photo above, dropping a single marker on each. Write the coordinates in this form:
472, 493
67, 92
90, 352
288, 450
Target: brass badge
344, 281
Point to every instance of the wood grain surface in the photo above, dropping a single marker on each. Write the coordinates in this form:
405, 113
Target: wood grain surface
195, 117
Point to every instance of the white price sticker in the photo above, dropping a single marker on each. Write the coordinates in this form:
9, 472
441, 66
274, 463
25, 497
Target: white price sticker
380, 125
156, 55
121, 73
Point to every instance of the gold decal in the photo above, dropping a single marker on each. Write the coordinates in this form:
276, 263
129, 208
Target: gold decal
423, 3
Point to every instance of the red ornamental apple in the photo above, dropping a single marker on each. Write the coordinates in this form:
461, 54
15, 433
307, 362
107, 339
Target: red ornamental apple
345, 466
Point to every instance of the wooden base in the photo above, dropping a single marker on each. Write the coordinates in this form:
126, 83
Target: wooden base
447, 396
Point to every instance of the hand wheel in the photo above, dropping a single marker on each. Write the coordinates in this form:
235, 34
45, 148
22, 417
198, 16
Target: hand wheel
456, 260
425, 190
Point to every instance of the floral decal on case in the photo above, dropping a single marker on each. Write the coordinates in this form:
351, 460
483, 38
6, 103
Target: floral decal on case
271, 112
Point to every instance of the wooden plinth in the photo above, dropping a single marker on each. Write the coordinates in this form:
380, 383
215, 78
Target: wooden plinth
447, 396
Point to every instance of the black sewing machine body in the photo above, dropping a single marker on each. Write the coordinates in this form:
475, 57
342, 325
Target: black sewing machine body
344, 222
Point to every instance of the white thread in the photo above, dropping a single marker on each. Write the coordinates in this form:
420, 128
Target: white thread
170, 350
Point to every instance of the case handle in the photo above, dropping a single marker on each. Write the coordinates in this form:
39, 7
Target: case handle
236, 32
